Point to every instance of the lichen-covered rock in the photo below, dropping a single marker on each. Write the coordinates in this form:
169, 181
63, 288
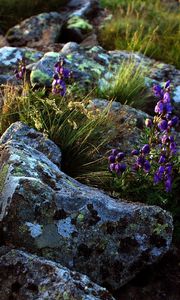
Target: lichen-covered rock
75, 29
128, 124
96, 67
84, 8
25, 276
9, 58
41, 29
48, 213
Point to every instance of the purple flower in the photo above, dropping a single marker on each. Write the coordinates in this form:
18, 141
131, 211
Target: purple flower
122, 167
166, 98
114, 152
147, 166
167, 84
158, 91
58, 87
172, 147
164, 139
148, 123
157, 178
21, 69
111, 159
163, 125
120, 156
135, 152
161, 170
162, 159
168, 108
168, 169
140, 161
173, 122
159, 108
168, 185
145, 149
112, 167
118, 169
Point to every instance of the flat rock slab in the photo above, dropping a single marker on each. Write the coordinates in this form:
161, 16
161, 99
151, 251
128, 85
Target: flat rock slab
48, 213
27, 277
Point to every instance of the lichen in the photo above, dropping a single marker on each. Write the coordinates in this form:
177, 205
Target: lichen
39, 76
80, 23
3, 176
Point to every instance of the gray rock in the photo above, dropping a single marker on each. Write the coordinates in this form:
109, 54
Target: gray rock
48, 213
93, 67
75, 29
26, 276
9, 58
83, 8
41, 29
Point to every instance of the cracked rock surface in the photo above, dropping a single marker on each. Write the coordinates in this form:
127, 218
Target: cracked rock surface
45, 212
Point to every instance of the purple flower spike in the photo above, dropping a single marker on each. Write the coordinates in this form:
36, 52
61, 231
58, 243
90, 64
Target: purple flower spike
163, 125
111, 159
145, 149
120, 156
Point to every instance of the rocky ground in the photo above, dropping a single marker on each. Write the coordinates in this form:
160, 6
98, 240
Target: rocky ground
53, 229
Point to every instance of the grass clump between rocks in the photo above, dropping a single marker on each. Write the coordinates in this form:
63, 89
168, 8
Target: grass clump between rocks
127, 86
150, 27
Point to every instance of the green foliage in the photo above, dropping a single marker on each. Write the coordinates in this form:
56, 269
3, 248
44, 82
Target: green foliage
79, 130
14, 11
127, 86
150, 27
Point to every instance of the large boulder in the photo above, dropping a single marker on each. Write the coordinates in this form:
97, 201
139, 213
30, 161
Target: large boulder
48, 213
25, 276
41, 29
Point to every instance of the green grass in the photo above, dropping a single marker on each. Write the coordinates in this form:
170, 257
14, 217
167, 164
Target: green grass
146, 26
14, 11
80, 132
127, 86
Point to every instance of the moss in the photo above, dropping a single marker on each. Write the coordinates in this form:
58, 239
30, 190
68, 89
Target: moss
18, 172
3, 175
39, 76
79, 23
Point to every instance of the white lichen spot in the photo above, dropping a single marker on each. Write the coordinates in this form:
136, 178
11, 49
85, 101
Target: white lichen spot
65, 228
176, 96
35, 229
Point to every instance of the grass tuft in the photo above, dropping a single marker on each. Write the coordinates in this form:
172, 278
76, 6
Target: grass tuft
127, 86
150, 27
